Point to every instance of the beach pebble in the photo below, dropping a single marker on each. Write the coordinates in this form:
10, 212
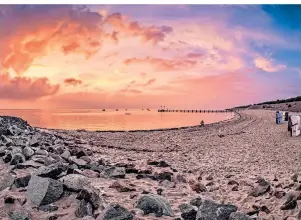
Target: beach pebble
156, 204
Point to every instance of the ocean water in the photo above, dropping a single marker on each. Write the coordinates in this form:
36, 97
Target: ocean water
110, 119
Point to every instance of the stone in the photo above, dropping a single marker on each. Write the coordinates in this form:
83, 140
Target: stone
121, 187
17, 158
164, 176
28, 152
79, 162
6, 180
49, 160
20, 214
156, 204
75, 182
48, 208
41, 152
188, 212
233, 182
239, 216
8, 156
43, 191
34, 141
22, 181
66, 155
117, 212
91, 195
210, 210
196, 201
262, 188
84, 209
197, 187
2, 151
115, 172
51, 171
158, 163
38, 158
6, 141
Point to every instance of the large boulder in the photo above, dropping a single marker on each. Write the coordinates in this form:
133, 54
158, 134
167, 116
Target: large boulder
210, 210
51, 171
117, 212
43, 191
239, 216
156, 204
188, 212
75, 182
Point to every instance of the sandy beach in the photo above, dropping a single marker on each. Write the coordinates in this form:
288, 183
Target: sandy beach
248, 161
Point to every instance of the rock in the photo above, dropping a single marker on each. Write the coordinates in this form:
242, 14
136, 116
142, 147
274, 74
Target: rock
234, 188
210, 177
43, 191
6, 141
279, 194
209, 210
6, 180
38, 158
164, 176
84, 209
58, 149
117, 212
197, 187
75, 182
66, 155
158, 205
160, 191
17, 158
92, 196
48, 208
115, 172
233, 182
19, 215
49, 160
196, 202
181, 178
22, 181
262, 188
51, 171
2, 151
8, 156
121, 187
41, 152
239, 216
34, 141
79, 162
81, 153
291, 201
188, 211
158, 163
28, 152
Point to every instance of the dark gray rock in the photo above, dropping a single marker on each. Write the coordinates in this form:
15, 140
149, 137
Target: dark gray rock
41, 152
2, 151
164, 176
262, 188
34, 141
156, 204
239, 216
196, 201
43, 191
79, 162
6, 141
28, 152
6, 180
17, 158
51, 171
115, 172
84, 209
117, 212
8, 156
66, 155
210, 210
38, 158
58, 149
92, 196
22, 181
188, 212
19, 215
49, 160
75, 182
48, 208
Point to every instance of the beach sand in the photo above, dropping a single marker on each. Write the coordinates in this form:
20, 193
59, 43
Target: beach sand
225, 158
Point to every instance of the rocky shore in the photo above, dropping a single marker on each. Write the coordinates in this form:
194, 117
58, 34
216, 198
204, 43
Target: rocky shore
245, 168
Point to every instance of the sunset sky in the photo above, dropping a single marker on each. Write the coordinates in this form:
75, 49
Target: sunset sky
127, 56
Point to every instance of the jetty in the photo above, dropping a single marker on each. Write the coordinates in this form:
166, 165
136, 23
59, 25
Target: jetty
194, 111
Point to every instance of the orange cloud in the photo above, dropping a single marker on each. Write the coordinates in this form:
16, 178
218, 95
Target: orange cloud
163, 64
268, 65
72, 81
25, 88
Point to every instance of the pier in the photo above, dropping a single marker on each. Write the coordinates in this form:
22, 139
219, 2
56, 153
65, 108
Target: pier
194, 111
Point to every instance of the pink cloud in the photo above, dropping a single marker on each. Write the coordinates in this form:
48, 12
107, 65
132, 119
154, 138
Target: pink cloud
268, 65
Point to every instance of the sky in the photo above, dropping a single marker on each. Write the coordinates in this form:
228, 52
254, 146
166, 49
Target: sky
146, 56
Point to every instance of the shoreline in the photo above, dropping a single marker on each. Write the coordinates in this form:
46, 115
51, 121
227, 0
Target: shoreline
247, 161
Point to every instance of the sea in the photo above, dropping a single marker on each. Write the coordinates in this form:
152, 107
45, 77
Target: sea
112, 119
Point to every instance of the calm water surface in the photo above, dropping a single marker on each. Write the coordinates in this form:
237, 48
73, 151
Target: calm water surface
91, 119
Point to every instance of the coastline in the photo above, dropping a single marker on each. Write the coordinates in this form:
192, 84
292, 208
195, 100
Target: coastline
225, 161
